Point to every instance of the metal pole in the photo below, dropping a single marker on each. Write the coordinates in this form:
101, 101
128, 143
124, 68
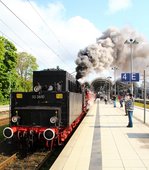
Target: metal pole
144, 97
109, 92
108, 89
115, 68
115, 80
131, 56
131, 42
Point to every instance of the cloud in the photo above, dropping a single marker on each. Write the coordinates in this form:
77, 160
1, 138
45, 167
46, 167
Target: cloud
63, 37
118, 5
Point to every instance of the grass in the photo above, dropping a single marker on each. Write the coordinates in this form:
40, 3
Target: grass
141, 105
4, 103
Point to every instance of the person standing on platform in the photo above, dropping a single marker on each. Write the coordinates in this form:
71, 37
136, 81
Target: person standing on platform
130, 108
119, 98
114, 100
125, 100
121, 101
105, 99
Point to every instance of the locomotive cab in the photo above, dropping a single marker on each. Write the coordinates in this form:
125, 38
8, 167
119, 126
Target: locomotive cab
55, 80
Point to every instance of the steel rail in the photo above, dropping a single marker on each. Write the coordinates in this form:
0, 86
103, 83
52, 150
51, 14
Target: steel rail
8, 161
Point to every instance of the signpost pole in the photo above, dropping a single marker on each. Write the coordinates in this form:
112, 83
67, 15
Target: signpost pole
144, 98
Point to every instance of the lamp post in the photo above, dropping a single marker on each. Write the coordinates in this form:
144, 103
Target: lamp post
145, 93
144, 96
109, 89
131, 42
115, 68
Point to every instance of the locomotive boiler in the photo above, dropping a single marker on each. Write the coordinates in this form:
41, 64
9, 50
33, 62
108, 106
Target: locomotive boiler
50, 112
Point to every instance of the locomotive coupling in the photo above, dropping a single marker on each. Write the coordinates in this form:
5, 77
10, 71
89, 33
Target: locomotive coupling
9, 132
49, 134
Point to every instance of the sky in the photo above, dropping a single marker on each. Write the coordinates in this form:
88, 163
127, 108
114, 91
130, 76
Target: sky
54, 31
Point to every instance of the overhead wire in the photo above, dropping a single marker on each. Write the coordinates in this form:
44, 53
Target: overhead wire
12, 31
11, 39
33, 32
50, 29
18, 38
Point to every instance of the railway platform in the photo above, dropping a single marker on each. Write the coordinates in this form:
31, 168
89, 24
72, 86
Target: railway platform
4, 112
103, 142
4, 108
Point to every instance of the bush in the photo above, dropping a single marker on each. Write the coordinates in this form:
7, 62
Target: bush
1, 97
3, 101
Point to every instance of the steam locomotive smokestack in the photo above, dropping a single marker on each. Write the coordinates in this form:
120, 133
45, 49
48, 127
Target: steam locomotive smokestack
110, 50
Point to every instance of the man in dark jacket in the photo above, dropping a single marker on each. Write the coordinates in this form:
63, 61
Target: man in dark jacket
130, 108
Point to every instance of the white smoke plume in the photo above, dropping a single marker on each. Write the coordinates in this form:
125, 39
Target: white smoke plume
111, 50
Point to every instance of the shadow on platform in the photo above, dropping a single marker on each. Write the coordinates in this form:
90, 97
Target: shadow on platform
138, 135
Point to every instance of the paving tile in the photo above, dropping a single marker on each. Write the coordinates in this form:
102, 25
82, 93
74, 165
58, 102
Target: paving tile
111, 155
136, 168
112, 163
146, 162
113, 169
122, 148
128, 163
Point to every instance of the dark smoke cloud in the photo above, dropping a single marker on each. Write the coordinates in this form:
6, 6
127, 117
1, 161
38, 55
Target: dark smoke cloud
110, 50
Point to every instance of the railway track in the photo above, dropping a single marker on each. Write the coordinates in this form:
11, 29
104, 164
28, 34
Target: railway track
12, 158
4, 112
32, 162
4, 118
5, 160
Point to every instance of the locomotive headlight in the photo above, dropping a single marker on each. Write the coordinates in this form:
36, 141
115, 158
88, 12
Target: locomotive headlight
50, 88
53, 119
15, 119
37, 88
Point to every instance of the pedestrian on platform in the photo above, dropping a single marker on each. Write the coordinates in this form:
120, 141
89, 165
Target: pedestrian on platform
121, 101
130, 108
105, 99
125, 101
114, 100
119, 98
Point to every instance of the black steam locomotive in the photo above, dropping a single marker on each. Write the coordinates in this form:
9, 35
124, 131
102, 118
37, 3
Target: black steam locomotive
50, 112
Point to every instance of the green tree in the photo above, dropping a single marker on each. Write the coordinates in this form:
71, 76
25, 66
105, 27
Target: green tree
26, 64
8, 59
2, 51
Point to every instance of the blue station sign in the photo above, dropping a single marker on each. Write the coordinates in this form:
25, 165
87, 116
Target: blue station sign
130, 77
